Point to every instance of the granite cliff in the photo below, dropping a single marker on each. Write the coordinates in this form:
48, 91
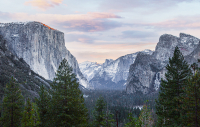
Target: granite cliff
41, 47
146, 72
13, 66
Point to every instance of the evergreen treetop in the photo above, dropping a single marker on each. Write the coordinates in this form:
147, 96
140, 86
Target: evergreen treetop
67, 102
168, 104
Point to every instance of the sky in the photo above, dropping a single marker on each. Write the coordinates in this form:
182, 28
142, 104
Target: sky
96, 30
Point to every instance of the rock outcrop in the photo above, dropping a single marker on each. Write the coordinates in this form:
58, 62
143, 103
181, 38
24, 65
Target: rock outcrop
112, 74
12, 66
41, 46
146, 72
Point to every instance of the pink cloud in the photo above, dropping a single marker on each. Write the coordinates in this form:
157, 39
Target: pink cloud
43, 4
102, 15
91, 16
89, 22
188, 22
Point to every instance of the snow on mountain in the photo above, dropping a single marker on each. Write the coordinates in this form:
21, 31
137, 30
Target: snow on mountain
89, 69
112, 74
148, 69
41, 47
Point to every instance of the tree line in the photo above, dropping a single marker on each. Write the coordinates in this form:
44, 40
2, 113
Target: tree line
178, 102
63, 105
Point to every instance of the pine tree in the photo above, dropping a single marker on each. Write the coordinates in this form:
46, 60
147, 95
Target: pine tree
99, 112
191, 99
168, 105
101, 116
43, 107
133, 121
67, 104
145, 118
30, 116
27, 114
35, 118
13, 103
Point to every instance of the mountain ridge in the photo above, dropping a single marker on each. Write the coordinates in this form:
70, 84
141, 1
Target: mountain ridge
41, 46
111, 74
146, 77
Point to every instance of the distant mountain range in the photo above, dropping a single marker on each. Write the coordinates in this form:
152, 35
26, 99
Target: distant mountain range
146, 72
39, 49
112, 74
140, 71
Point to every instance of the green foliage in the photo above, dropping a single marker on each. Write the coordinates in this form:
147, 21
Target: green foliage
12, 105
133, 121
30, 115
145, 118
99, 112
67, 103
168, 104
191, 99
101, 116
119, 103
35, 118
26, 122
43, 107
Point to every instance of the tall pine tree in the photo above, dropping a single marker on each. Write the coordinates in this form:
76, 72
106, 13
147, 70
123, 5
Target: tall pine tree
168, 104
99, 113
13, 103
67, 102
191, 99
43, 107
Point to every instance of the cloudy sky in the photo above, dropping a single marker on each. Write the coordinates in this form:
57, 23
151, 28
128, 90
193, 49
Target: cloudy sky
96, 30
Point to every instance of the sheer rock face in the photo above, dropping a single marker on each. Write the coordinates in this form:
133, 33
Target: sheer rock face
146, 72
112, 74
41, 46
12, 66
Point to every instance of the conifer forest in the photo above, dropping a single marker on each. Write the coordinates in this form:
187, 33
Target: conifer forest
65, 104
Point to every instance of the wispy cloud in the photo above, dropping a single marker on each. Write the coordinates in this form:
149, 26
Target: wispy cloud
133, 4
138, 34
89, 22
79, 38
43, 4
90, 25
183, 22
103, 15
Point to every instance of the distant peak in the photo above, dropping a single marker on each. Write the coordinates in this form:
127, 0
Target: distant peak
109, 59
89, 62
147, 50
167, 36
185, 35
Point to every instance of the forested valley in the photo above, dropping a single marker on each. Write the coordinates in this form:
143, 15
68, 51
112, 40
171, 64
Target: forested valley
176, 103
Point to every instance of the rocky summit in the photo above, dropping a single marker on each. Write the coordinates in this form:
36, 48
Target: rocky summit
146, 72
41, 47
112, 74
